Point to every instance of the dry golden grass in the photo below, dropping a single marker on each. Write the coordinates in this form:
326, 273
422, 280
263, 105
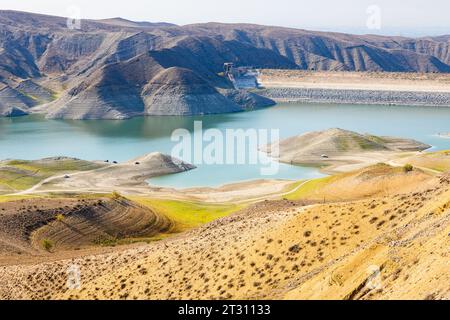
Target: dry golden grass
274, 249
377, 180
435, 161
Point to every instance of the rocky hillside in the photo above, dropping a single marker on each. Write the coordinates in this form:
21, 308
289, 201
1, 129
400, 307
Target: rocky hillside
118, 69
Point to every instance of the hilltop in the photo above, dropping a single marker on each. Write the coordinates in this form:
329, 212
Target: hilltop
342, 150
62, 173
117, 69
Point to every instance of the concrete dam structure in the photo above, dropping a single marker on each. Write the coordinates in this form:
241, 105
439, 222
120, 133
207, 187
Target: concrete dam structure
241, 77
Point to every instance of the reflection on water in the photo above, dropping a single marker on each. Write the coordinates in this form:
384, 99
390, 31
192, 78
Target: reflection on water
148, 127
33, 137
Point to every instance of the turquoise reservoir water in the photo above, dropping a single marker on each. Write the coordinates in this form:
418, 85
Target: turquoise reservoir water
33, 137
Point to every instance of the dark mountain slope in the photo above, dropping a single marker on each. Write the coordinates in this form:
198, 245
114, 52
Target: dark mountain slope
112, 92
335, 51
117, 68
179, 91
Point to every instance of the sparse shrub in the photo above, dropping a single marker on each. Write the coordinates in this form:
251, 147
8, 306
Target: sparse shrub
295, 248
60, 217
408, 167
381, 223
47, 244
373, 220
115, 195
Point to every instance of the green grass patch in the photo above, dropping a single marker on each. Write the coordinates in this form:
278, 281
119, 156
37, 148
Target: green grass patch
308, 188
113, 242
17, 179
18, 175
53, 166
376, 139
186, 214
292, 186
348, 143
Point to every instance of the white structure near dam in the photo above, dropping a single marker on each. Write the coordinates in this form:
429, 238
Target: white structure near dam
242, 77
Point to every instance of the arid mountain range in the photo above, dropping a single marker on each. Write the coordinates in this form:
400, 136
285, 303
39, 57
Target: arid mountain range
116, 69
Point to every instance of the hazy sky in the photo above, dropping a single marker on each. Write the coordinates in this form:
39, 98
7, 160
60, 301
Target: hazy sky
415, 16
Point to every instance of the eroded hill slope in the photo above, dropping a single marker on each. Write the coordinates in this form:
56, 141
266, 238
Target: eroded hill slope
35, 227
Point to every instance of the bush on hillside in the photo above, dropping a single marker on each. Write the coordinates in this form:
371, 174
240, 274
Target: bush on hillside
408, 167
47, 244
